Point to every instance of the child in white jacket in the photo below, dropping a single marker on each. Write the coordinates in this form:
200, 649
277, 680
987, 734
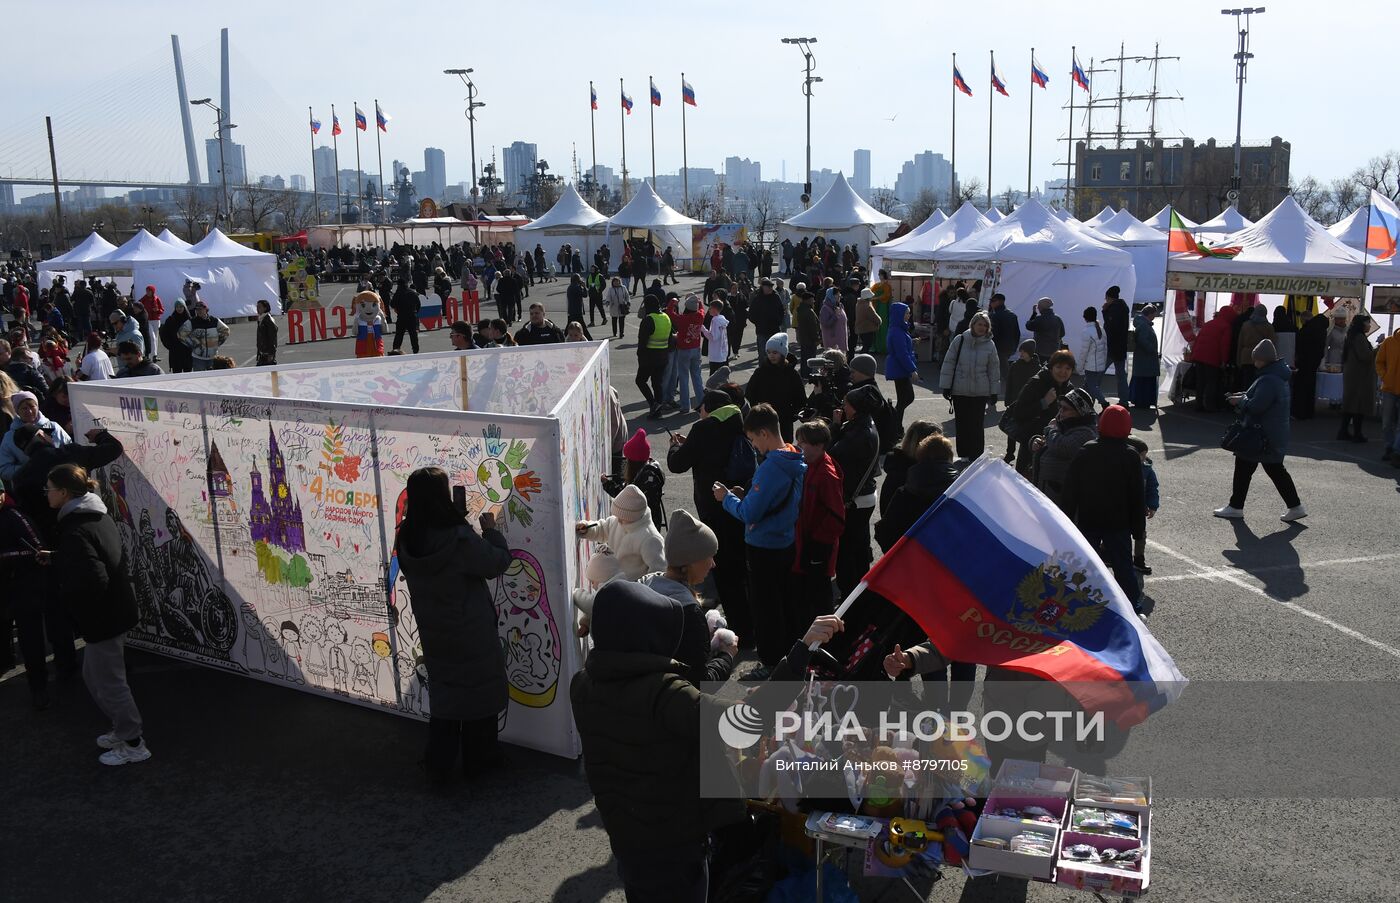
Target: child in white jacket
629, 532
718, 334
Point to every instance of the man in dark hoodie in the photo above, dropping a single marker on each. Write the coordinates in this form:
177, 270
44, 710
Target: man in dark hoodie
1116, 317
856, 450
640, 721
406, 304
1006, 335
777, 382
1104, 494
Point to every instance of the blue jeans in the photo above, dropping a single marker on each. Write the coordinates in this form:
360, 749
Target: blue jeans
668, 379
685, 370
1120, 369
1091, 385
1390, 420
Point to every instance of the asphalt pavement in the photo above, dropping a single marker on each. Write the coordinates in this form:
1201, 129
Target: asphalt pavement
260, 793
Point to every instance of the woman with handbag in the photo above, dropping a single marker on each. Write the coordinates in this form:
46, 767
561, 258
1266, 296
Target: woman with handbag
1260, 436
970, 378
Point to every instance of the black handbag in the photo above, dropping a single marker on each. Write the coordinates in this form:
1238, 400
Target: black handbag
1246, 439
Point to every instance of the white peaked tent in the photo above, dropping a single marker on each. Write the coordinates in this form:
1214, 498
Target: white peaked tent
70, 264
1148, 248
1228, 222
1162, 220
235, 277
935, 219
994, 215
1353, 230
966, 221
1286, 242
1103, 216
1039, 256
668, 226
571, 221
172, 239
842, 216
149, 261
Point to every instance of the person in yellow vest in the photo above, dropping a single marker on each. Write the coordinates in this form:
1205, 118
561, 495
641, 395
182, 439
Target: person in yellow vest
884, 294
653, 349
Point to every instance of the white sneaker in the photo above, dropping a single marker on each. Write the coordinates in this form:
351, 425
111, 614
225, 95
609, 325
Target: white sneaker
1229, 512
109, 740
1297, 512
125, 754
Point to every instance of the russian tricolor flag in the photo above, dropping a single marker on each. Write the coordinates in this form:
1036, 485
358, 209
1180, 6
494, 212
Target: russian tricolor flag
361, 122
997, 84
1038, 76
687, 93
995, 574
627, 103
961, 83
1382, 227
335, 124
381, 118
593, 96
1077, 73
315, 126
655, 95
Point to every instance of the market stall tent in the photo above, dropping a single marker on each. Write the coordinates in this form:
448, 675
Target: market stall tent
1371, 229
993, 215
842, 216
149, 261
668, 226
1036, 255
172, 239
573, 222
1228, 221
935, 219
1162, 220
918, 245
70, 263
1103, 216
1148, 248
235, 277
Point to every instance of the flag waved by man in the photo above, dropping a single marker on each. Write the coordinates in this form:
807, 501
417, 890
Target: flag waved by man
995, 574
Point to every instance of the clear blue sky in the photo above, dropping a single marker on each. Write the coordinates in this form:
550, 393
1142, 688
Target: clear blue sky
108, 81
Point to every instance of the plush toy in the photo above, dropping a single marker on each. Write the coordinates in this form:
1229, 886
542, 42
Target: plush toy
957, 820
720, 634
369, 325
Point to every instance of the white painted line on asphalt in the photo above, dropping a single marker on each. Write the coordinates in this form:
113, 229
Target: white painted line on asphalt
1291, 606
1214, 573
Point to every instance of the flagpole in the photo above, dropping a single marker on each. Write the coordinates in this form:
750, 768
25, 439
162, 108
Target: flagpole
953, 179
593, 136
315, 192
622, 112
359, 186
685, 162
651, 106
335, 150
991, 97
1069, 156
379, 149
1030, 131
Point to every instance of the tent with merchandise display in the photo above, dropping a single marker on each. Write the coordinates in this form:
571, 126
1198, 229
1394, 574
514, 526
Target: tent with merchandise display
571, 221
236, 276
259, 508
841, 216
646, 212
71, 263
1038, 256
965, 222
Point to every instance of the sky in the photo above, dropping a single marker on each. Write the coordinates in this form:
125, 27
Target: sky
886, 70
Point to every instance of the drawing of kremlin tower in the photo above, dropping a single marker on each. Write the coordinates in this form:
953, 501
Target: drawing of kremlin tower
276, 522
221, 490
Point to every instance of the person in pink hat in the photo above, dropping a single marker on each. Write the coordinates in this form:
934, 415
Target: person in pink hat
640, 470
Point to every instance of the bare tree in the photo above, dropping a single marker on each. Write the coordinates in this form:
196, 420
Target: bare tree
294, 210
253, 208
705, 207
195, 208
922, 207
968, 190
761, 215
884, 200
1348, 193
1315, 199
1381, 174
1008, 199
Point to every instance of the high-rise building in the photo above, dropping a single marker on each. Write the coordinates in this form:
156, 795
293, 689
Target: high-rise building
926, 172
860, 180
435, 171
7, 197
519, 162
298, 182
232, 158
324, 156
741, 175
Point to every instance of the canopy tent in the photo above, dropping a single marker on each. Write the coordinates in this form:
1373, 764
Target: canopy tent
1227, 222
445, 230
236, 276
149, 261
1040, 256
174, 240
935, 219
1162, 220
1103, 216
71, 262
1065, 216
669, 227
921, 244
1370, 229
573, 222
993, 215
842, 216
1148, 248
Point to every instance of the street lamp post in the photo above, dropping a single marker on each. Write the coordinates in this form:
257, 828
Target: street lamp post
472, 106
220, 132
1242, 58
805, 45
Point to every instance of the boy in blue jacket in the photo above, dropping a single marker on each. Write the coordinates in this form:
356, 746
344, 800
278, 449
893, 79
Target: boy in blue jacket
1152, 496
769, 511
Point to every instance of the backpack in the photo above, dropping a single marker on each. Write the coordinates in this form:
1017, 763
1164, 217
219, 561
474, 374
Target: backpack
743, 461
887, 426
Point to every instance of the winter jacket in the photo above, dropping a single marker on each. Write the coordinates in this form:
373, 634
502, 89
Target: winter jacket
616, 298
1336, 346
267, 339
855, 448
1103, 489
867, 317
781, 386
177, 352
1212, 345
27, 377
12, 459
718, 333
833, 323
971, 368
766, 314
446, 569
131, 332
706, 451
899, 345
144, 368
1048, 330
822, 517
30, 479
1359, 376
1388, 364
1021, 372
652, 481
1093, 349
1266, 402
1151, 488
1029, 411
1255, 330
1063, 441
896, 467
925, 482
204, 337
545, 333
769, 509
694, 650
92, 570
1006, 332
1116, 316
405, 302
638, 546
152, 305
809, 328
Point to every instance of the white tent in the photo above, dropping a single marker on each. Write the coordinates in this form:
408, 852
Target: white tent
669, 227
842, 216
1039, 256
1227, 222
236, 276
1103, 216
172, 239
966, 221
1285, 243
71, 263
149, 261
1148, 248
936, 219
573, 222
1353, 230
1162, 220
993, 215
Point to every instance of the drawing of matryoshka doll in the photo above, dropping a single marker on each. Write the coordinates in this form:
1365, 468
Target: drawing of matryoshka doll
528, 632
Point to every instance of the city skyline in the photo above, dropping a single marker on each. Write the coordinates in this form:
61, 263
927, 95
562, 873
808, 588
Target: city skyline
909, 111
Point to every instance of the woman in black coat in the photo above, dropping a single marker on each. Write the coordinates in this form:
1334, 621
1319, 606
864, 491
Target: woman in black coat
447, 564
1308, 352
1037, 404
179, 356
94, 584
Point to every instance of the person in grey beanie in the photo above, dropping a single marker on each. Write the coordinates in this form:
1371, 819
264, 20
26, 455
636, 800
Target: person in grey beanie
690, 556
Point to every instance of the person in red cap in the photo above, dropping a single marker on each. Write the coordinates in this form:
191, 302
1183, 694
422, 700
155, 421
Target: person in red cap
641, 470
1103, 494
154, 311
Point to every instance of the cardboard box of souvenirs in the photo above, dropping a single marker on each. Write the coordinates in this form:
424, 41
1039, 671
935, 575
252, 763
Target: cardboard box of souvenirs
1019, 832
1107, 842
